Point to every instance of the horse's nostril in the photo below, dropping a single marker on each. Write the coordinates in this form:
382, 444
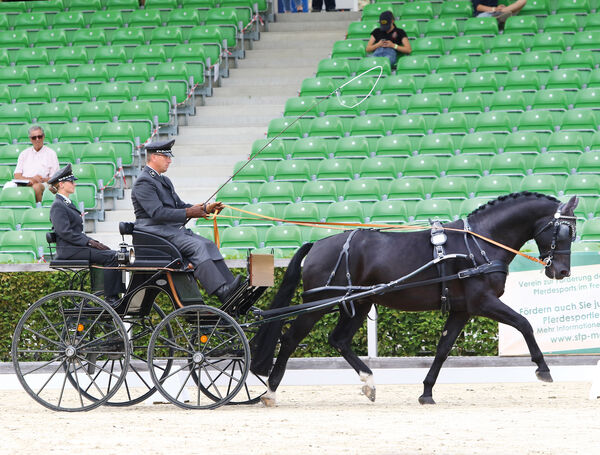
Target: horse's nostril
565, 273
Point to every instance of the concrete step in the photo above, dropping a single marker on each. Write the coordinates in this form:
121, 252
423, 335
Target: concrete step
220, 136
209, 154
270, 81
288, 40
224, 100
323, 16
293, 27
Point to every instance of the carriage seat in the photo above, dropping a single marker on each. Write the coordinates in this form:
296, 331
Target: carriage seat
64, 263
151, 250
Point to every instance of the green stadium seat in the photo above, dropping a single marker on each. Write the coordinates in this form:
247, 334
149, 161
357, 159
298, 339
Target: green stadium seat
590, 231
110, 55
68, 20
414, 65
98, 111
89, 37
406, 189
149, 53
467, 103
277, 193
511, 43
552, 164
383, 105
394, 146
450, 187
322, 191
468, 206
587, 40
538, 121
429, 47
327, 127
22, 245
96, 73
410, 26
456, 9
30, 21
455, 64
240, 237
14, 75
362, 29
266, 149
334, 67
318, 86
363, 190
286, 236
381, 168
13, 7
50, 39
413, 125
130, 36
73, 55
443, 28
594, 79
508, 164
436, 209
464, 165
144, 18
310, 148
285, 127
416, 10
566, 142
550, 41
577, 59
523, 142
161, 4
302, 211
33, 94
480, 82
371, 12
235, 193
166, 35
588, 163
369, 63
114, 91
345, 212
425, 103
563, 23
55, 74
20, 197
292, 171
369, 126
444, 84
76, 133
551, 99
573, 6
64, 153
109, 19
84, 5
451, 123
545, 184
523, 25
422, 166
15, 113
536, 61
493, 122
388, 212
349, 49
253, 171
399, 85
536, 8
508, 100
481, 26
359, 87
184, 17
523, 80
592, 21
131, 72
31, 56
55, 113
437, 144
36, 219
7, 219
470, 45
582, 185
352, 147
14, 39
335, 169
579, 120
565, 79
318, 233
587, 98
492, 186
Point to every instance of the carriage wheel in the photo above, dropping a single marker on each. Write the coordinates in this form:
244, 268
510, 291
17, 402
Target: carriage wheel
138, 385
205, 341
70, 334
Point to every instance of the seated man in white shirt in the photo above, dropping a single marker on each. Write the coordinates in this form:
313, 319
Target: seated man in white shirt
36, 164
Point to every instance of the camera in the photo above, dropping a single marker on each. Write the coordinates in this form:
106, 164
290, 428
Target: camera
126, 254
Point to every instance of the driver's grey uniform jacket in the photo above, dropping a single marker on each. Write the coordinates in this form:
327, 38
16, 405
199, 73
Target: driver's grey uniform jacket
159, 210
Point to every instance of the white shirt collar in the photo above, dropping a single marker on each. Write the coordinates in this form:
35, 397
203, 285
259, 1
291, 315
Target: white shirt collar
158, 173
65, 198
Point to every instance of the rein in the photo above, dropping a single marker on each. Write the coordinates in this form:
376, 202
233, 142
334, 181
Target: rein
340, 226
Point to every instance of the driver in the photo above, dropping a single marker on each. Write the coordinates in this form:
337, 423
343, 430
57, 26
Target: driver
71, 242
160, 211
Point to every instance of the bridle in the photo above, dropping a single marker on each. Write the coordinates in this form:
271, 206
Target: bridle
564, 228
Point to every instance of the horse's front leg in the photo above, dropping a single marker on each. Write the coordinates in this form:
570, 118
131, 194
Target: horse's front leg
454, 324
494, 308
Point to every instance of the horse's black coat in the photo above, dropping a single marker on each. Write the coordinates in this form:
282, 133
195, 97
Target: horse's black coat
380, 257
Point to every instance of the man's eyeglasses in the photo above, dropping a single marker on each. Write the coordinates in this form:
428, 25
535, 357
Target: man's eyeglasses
34, 138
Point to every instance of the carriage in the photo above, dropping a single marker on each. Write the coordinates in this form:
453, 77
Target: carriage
198, 356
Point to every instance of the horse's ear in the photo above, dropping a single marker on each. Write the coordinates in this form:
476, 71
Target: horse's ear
572, 204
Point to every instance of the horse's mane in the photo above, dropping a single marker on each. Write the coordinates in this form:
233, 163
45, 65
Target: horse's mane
511, 197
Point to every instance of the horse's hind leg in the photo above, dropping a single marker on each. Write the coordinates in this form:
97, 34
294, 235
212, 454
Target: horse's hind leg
495, 309
454, 324
299, 328
341, 338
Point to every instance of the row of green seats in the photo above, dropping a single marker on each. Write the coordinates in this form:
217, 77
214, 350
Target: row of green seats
415, 186
37, 218
424, 11
475, 45
450, 27
22, 246
486, 144
499, 122
430, 102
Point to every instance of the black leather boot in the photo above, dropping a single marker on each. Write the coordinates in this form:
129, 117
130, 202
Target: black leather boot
225, 291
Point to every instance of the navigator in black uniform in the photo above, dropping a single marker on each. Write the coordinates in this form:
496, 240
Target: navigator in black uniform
159, 210
71, 242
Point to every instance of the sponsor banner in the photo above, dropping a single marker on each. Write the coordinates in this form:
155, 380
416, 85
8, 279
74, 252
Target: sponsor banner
564, 314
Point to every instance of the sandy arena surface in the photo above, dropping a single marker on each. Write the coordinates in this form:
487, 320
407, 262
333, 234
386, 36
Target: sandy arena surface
533, 418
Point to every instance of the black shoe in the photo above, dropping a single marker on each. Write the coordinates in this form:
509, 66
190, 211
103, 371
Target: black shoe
225, 291
112, 300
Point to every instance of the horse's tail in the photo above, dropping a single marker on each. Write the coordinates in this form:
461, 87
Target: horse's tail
263, 344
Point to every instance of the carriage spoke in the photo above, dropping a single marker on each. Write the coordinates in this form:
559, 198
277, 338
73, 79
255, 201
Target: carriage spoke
43, 313
102, 395
222, 371
62, 389
104, 370
212, 383
43, 365
79, 387
96, 340
174, 346
187, 378
35, 332
210, 336
51, 376
190, 344
137, 373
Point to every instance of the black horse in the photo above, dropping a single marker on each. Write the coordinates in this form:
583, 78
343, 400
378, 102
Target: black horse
376, 257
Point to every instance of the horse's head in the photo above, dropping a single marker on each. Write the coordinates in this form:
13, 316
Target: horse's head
554, 236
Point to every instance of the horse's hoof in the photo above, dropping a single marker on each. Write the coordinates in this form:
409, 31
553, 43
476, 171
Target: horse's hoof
426, 400
369, 392
544, 376
268, 402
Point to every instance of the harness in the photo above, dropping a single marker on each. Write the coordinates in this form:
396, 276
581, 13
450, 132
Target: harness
558, 222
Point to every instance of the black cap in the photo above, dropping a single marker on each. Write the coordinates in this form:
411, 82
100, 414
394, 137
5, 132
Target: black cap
385, 20
62, 175
162, 147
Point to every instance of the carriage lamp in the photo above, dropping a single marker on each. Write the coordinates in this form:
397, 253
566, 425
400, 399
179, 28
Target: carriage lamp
126, 254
